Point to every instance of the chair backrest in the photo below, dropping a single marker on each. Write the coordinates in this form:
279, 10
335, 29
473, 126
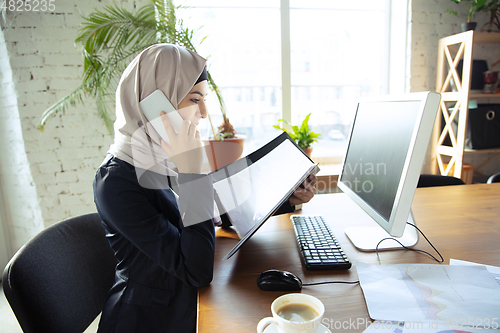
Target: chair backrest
438, 180
59, 280
494, 179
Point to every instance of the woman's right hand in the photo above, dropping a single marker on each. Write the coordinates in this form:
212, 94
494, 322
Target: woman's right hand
186, 148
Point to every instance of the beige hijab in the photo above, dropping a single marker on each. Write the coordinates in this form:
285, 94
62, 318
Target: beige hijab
170, 68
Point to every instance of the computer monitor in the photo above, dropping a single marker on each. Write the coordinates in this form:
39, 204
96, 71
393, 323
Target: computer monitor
386, 149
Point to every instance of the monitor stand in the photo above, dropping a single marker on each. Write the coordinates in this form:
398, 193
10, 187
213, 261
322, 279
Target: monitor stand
367, 238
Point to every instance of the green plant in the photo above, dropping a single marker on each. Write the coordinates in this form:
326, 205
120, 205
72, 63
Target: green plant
302, 135
475, 6
111, 39
494, 8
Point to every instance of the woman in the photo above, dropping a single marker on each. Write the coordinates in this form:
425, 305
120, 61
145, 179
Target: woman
146, 190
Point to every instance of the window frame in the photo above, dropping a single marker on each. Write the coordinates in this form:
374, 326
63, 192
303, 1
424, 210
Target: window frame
397, 56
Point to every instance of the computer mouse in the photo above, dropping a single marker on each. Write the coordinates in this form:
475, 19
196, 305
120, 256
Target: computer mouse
276, 280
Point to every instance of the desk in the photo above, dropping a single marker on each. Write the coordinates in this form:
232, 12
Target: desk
463, 222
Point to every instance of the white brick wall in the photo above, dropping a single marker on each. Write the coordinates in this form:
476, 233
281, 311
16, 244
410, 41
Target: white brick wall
60, 162
21, 216
430, 22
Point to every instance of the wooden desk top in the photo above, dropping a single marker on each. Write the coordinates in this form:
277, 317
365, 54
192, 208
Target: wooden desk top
463, 222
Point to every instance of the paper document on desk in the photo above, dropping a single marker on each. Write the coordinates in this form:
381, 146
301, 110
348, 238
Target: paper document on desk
494, 271
427, 327
422, 293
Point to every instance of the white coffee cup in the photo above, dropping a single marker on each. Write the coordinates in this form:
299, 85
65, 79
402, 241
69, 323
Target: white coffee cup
294, 313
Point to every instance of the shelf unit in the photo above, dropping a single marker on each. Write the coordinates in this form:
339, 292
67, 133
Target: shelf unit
455, 96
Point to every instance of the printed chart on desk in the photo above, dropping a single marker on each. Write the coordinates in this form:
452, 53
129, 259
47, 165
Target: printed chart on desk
423, 293
429, 327
426, 296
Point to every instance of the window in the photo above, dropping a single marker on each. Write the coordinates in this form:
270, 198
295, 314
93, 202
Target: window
277, 59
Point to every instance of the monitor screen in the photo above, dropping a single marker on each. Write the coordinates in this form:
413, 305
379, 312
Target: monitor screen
387, 146
377, 151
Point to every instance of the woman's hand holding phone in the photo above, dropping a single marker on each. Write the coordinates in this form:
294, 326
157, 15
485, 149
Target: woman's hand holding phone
186, 148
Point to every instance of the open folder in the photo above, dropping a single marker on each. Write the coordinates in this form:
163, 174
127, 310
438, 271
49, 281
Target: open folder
251, 189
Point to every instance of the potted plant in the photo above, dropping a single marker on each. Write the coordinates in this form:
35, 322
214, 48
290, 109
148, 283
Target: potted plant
111, 39
225, 146
494, 8
474, 7
302, 135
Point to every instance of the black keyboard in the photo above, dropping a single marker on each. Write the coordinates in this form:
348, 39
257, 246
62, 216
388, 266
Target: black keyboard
317, 244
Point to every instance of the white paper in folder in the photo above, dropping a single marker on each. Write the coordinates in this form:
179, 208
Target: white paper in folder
251, 189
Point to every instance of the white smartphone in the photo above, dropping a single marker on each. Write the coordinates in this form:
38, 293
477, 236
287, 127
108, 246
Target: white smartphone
153, 105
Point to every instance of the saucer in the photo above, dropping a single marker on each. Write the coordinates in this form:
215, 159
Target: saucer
273, 329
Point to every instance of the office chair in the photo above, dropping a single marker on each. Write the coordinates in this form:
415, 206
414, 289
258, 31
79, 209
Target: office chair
59, 280
494, 178
438, 180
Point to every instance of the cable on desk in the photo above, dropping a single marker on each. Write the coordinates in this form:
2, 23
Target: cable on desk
410, 249
316, 283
